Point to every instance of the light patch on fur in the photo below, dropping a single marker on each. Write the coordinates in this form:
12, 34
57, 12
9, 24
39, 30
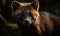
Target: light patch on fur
36, 13
25, 4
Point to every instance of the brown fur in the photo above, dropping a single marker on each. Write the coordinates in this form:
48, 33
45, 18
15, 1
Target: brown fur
42, 23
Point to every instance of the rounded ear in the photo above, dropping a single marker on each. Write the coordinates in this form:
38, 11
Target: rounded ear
15, 5
35, 4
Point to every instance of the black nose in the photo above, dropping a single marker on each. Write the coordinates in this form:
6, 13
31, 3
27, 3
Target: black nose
27, 22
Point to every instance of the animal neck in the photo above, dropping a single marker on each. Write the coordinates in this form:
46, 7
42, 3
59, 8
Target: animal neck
37, 26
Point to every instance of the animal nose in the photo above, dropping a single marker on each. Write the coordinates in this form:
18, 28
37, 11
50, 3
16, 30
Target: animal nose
27, 22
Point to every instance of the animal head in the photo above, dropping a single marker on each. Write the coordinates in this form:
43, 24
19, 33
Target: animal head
25, 13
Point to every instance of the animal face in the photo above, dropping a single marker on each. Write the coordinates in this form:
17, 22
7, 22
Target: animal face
25, 13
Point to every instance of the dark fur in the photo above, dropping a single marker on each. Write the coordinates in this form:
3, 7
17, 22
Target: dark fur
40, 24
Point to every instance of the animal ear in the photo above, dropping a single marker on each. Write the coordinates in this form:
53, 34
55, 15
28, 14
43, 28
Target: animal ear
15, 5
35, 5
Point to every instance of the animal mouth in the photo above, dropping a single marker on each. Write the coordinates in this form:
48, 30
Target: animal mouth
25, 23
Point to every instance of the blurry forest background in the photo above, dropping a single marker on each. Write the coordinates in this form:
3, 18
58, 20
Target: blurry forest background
51, 6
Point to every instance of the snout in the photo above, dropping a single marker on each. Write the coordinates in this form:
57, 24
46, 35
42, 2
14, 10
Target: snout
26, 22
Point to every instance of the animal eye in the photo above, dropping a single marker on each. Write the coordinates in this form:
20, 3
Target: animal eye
31, 15
19, 15
35, 15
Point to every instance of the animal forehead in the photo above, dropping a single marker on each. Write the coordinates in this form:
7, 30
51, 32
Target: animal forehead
26, 9
25, 4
